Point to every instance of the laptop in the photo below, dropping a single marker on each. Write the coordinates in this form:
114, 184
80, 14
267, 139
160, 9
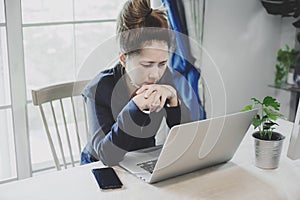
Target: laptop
189, 147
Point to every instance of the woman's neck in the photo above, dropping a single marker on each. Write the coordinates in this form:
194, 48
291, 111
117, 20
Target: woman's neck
131, 87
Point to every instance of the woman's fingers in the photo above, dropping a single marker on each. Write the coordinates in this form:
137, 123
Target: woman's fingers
147, 90
141, 90
155, 96
153, 101
150, 90
158, 101
162, 102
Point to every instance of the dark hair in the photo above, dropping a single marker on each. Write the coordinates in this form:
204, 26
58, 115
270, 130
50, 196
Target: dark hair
138, 24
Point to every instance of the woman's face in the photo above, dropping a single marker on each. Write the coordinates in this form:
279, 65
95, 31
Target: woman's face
149, 65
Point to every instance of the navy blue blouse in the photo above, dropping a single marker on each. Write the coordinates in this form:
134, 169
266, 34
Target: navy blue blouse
116, 125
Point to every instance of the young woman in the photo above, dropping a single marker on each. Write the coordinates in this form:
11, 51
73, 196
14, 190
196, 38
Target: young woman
131, 100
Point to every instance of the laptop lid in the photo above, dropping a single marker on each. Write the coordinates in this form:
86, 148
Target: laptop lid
201, 144
192, 146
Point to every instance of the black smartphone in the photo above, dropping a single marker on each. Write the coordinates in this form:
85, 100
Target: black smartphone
107, 178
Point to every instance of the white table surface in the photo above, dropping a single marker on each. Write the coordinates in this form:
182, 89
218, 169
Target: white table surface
237, 179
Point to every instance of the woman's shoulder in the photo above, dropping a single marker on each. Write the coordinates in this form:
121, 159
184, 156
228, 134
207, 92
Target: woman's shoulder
105, 79
111, 73
109, 77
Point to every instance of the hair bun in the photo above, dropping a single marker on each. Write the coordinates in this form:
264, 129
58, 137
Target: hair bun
149, 13
134, 17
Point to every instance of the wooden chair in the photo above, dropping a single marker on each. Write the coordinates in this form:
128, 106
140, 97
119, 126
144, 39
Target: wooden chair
60, 101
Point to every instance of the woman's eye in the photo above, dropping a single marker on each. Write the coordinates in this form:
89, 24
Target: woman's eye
146, 65
151, 65
162, 64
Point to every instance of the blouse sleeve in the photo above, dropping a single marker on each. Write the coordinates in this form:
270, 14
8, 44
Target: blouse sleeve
178, 115
112, 141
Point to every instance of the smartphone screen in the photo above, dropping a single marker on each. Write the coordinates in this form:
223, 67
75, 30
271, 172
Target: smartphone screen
107, 178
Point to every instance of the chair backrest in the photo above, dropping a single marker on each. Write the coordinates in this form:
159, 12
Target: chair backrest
62, 116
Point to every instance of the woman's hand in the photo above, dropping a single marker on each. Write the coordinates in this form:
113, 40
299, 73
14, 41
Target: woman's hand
154, 97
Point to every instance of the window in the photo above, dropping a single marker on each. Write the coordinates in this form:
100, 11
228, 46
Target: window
58, 35
7, 150
2, 16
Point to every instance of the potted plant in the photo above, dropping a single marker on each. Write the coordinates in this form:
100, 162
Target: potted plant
286, 8
268, 143
287, 60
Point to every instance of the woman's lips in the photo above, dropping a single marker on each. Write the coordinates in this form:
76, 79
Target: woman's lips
148, 83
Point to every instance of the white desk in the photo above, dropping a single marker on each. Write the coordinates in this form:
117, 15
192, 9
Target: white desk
237, 179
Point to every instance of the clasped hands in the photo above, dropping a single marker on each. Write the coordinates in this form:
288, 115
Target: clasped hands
153, 97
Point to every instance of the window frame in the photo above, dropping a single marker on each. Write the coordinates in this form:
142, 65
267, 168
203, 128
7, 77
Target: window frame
14, 35
17, 80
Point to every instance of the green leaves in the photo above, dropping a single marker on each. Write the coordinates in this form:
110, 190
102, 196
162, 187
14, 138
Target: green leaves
286, 58
271, 102
268, 125
246, 108
256, 122
267, 115
272, 114
280, 75
256, 101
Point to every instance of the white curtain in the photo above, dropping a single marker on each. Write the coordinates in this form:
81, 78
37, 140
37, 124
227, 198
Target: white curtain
195, 15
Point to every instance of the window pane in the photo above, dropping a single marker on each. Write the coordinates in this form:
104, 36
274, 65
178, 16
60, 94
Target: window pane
97, 9
4, 78
62, 10
88, 37
7, 147
39, 146
2, 16
46, 10
49, 55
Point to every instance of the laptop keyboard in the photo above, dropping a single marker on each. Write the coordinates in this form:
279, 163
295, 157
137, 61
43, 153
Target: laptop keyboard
148, 165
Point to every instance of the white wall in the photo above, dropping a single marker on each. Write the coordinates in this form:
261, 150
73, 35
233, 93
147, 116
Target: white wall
242, 40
